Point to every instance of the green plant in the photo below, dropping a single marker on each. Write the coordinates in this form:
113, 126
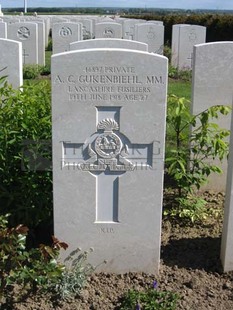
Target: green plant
189, 153
180, 88
31, 269
150, 299
25, 153
167, 52
74, 275
192, 208
50, 45
175, 73
31, 71
45, 70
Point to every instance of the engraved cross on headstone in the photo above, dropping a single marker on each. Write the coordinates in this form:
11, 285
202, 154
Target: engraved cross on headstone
107, 155
24, 56
191, 59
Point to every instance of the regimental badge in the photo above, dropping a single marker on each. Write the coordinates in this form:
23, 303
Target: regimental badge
108, 148
108, 144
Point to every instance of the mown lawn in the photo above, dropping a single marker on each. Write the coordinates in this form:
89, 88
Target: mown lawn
180, 88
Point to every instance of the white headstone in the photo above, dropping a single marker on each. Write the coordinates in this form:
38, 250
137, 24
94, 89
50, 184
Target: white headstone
212, 85
41, 42
11, 62
184, 37
13, 20
151, 34
227, 233
109, 43
3, 30
57, 20
128, 28
63, 34
156, 22
87, 29
27, 33
109, 109
108, 30
46, 25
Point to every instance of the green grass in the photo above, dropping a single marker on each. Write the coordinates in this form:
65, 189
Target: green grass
48, 55
39, 77
180, 88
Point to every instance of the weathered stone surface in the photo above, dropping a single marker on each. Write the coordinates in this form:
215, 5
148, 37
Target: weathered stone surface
108, 149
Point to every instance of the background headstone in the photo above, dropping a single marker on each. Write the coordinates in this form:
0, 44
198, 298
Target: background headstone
11, 62
87, 29
151, 34
109, 109
212, 85
227, 233
41, 42
3, 30
27, 34
46, 22
184, 37
109, 43
108, 30
63, 34
129, 29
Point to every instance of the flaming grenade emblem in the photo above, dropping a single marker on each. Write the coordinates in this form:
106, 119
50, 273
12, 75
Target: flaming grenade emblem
108, 145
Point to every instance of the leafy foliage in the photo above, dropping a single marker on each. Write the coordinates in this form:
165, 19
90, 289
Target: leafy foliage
189, 156
74, 275
32, 270
31, 72
149, 300
38, 269
25, 153
191, 207
185, 75
50, 45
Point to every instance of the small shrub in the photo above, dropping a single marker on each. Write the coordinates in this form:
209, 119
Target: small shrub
190, 155
45, 70
191, 208
175, 73
150, 299
167, 52
74, 276
50, 45
25, 153
187, 154
31, 71
32, 270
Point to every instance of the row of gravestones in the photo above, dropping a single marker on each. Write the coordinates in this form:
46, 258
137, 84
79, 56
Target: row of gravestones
108, 151
184, 37
68, 32
34, 35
